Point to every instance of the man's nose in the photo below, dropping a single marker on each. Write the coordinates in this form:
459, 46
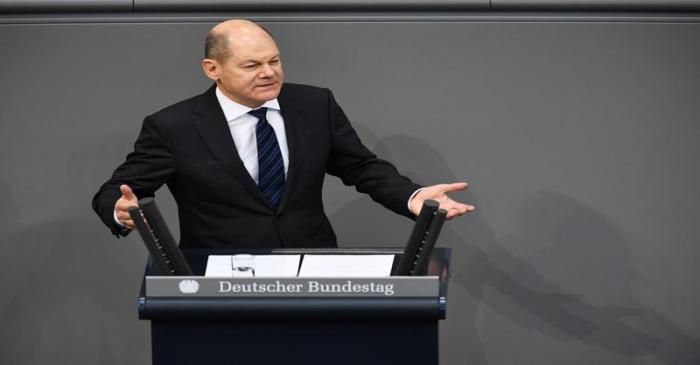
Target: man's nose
267, 71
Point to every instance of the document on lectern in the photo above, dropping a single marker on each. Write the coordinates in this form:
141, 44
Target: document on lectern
325, 266
265, 266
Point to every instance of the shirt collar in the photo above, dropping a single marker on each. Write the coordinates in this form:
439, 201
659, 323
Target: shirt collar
233, 110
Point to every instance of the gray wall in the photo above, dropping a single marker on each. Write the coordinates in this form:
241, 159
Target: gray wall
577, 135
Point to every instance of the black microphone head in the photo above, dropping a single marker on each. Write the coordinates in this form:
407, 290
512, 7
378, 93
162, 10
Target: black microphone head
431, 203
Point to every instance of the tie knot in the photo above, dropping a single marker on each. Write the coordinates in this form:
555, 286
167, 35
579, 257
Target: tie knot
259, 113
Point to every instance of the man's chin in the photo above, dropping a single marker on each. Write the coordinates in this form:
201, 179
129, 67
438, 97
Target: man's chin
268, 94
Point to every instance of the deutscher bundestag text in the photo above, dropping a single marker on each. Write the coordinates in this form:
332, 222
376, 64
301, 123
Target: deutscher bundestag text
311, 286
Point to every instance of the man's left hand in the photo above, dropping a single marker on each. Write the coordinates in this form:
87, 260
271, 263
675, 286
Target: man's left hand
439, 194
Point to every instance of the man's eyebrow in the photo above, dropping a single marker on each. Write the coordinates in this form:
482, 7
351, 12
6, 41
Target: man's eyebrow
257, 61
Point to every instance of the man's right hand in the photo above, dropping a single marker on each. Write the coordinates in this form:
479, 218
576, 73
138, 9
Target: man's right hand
126, 201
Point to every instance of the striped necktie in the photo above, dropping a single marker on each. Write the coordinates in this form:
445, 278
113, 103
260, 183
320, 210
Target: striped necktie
270, 163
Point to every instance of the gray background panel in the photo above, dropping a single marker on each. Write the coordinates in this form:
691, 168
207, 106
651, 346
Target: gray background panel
308, 5
593, 5
579, 140
67, 6
51, 6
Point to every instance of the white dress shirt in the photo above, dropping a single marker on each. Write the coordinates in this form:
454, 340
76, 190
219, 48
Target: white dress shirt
242, 126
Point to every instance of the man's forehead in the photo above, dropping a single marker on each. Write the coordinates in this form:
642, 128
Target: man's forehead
253, 48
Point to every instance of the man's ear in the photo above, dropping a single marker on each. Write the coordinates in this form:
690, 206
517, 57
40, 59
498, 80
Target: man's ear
211, 68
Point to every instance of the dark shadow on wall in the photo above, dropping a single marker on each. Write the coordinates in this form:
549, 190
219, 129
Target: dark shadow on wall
513, 287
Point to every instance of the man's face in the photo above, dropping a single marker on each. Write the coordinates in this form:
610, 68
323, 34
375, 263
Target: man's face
253, 73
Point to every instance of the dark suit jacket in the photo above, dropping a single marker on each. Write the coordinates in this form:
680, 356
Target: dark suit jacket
188, 146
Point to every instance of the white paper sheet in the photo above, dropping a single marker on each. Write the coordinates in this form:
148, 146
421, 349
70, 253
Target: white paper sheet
266, 266
346, 266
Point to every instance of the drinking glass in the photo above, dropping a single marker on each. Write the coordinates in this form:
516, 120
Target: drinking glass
243, 266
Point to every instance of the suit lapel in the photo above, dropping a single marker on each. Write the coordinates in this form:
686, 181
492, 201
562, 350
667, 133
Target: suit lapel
213, 129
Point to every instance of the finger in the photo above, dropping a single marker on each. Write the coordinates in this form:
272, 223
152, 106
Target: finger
451, 214
123, 216
459, 186
465, 208
459, 210
127, 193
128, 223
123, 205
451, 204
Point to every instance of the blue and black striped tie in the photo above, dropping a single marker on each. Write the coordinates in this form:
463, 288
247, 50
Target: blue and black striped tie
270, 163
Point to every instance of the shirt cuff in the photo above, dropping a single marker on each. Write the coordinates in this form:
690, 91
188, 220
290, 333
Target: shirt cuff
409, 199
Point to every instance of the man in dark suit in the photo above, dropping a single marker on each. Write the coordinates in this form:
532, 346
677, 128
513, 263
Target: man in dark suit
246, 160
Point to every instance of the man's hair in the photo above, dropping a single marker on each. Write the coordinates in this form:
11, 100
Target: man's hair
216, 45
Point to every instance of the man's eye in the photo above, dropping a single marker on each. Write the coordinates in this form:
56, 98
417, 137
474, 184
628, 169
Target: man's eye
274, 62
249, 66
